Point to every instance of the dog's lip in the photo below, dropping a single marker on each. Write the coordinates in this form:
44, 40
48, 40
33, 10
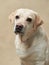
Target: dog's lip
20, 33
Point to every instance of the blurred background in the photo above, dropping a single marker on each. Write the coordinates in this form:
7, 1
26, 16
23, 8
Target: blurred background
7, 47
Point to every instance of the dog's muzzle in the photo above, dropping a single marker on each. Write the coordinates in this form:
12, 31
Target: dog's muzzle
18, 29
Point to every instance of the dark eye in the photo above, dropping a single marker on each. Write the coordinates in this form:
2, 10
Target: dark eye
17, 17
29, 19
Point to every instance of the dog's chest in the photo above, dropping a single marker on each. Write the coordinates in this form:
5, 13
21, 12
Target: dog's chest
21, 49
36, 50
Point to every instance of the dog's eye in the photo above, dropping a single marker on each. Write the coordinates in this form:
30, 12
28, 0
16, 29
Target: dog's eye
17, 17
29, 19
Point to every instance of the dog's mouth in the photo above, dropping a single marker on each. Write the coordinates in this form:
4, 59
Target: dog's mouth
19, 32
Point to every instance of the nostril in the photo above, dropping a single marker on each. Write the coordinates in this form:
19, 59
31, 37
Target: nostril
19, 26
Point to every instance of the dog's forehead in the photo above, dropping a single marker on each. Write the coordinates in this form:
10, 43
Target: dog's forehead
25, 12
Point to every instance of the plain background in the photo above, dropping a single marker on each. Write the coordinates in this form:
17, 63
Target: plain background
7, 47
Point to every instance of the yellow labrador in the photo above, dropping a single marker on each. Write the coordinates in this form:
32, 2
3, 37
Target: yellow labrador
31, 41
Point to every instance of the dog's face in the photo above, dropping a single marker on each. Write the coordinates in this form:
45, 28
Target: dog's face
25, 21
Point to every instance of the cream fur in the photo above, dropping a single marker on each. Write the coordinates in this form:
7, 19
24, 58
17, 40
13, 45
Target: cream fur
32, 47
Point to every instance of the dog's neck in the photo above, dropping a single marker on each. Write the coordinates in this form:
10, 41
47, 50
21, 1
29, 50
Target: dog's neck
31, 34
28, 42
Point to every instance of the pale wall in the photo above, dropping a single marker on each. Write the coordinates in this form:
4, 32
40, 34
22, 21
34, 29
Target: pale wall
7, 49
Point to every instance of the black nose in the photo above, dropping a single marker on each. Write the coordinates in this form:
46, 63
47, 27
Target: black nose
18, 28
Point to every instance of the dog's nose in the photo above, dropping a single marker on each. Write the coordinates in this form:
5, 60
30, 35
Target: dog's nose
18, 28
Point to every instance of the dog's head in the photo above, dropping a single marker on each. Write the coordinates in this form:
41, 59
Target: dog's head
25, 21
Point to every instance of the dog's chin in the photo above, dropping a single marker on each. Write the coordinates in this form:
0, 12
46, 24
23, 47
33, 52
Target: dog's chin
20, 33
24, 35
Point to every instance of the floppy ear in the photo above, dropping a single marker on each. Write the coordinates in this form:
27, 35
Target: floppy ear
12, 16
38, 21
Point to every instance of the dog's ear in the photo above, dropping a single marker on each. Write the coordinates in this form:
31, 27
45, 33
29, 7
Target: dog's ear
38, 21
12, 16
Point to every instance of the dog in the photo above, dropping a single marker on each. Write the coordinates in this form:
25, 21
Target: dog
31, 41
